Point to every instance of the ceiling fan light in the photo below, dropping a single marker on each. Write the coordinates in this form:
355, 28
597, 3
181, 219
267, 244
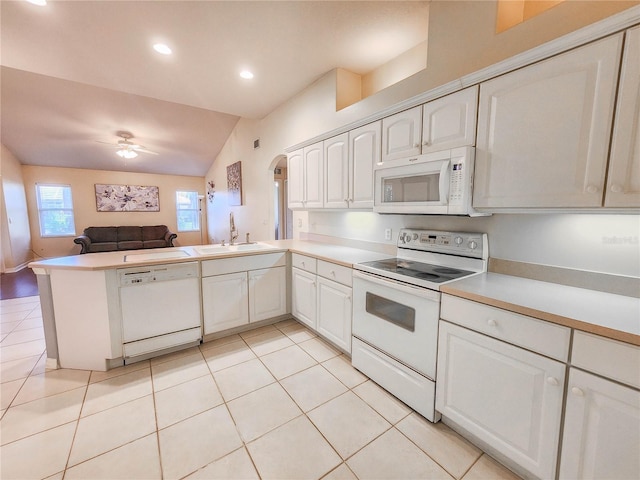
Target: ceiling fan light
40, 3
126, 153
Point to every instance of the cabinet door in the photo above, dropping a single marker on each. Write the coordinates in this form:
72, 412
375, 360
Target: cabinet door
623, 181
334, 312
225, 301
336, 172
601, 429
364, 154
295, 179
267, 293
401, 134
450, 121
508, 397
544, 130
303, 296
313, 175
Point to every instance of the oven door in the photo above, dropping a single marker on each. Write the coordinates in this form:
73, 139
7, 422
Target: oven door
417, 185
399, 319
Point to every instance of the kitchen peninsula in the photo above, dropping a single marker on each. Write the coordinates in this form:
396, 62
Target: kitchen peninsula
81, 295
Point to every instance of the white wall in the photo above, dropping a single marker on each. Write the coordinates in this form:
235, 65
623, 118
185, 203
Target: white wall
16, 238
573, 241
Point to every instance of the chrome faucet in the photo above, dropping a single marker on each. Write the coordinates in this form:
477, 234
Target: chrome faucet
233, 233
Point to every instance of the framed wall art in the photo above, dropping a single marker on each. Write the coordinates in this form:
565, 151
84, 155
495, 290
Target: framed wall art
234, 183
126, 198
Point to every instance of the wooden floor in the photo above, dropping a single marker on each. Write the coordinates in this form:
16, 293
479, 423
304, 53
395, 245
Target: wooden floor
19, 284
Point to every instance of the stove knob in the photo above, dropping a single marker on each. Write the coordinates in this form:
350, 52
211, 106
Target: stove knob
415, 236
458, 240
472, 244
401, 237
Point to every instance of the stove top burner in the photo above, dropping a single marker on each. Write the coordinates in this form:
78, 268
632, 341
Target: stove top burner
418, 270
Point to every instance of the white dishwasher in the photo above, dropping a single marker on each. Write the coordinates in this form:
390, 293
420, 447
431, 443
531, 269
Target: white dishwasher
160, 307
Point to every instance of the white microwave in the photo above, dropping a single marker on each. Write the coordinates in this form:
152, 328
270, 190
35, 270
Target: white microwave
437, 183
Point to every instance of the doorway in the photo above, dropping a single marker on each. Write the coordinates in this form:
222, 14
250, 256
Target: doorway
283, 216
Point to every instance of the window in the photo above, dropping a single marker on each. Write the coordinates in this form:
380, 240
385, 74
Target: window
188, 211
55, 210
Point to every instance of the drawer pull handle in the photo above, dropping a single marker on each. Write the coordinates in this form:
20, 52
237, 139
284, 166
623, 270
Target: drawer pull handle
491, 322
333, 274
302, 263
577, 391
553, 381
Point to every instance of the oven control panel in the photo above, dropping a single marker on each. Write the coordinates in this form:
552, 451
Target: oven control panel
457, 243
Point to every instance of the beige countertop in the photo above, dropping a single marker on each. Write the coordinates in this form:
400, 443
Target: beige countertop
606, 314
346, 256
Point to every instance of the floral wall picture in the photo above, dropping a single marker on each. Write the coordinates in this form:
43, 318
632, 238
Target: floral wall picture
234, 184
126, 198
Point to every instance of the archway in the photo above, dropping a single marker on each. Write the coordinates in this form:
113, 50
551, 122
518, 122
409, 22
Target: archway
282, 216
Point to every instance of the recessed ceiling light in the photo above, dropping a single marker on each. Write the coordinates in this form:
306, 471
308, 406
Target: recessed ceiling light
40, 3
246, 74
162, 48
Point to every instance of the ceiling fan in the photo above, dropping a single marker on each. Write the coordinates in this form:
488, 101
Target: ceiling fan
126, 148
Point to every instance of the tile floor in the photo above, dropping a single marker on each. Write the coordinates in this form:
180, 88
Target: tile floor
276, 402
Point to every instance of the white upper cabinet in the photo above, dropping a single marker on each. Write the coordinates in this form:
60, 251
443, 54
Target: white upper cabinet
544, 130
623, 183
450, 121
336, 172
349, 161
401, 134
305, 177
295, 175
364, 154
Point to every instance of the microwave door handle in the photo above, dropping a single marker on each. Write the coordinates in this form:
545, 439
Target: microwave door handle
444, 182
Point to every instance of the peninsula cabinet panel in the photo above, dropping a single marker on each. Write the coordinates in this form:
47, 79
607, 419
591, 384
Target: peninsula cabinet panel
450, 121
544, 131
601, 429
623, 183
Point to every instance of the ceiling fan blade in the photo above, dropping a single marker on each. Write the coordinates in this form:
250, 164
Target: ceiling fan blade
144, 150
107, 143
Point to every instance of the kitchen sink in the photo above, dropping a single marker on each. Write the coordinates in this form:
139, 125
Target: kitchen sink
141, 257
240, 247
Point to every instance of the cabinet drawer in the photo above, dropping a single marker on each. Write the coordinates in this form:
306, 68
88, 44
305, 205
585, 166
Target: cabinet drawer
243, 263
337, 273
303, 262
613, 359
536, 335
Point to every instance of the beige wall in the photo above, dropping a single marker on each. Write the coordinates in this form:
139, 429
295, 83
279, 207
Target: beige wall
16, 238
84, 203
462, 39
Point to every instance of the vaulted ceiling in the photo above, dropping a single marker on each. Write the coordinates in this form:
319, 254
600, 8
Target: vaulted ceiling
73, 73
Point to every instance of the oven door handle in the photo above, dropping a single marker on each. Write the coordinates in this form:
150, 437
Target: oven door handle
390, 283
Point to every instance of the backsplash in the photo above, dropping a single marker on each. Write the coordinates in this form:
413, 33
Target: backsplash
592, 242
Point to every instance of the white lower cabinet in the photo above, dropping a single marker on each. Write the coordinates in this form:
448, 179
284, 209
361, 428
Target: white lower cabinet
237, 291
225, 301
303, 296
601, 429
321, 298
334, 312
508, 398
267, 293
